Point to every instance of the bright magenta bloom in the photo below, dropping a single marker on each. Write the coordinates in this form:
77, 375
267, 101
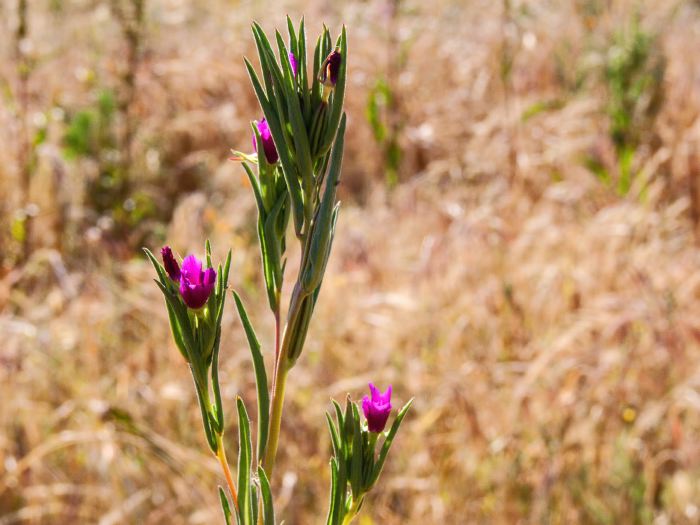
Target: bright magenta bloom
267, 142
196, 285
377, 408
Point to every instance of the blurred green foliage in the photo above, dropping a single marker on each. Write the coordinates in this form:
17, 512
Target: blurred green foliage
92, 134
633, 75
379, 103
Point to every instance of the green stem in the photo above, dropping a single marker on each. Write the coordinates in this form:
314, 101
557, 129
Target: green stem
352, 512
279, 382
221, 456
282, 367
273, 436
220, 451
277, 331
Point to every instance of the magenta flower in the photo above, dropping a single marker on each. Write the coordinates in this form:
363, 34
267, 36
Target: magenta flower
196, 285
330, 68
268, 144
293, 63
377, 408
170, 264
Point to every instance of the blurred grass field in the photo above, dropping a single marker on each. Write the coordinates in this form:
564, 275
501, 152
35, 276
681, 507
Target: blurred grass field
517, 248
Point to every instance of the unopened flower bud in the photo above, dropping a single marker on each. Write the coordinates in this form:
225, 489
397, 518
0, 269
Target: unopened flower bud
268, 144
170, 264
330, 68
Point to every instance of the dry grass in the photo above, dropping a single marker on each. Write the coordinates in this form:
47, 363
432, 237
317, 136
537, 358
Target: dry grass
548, 328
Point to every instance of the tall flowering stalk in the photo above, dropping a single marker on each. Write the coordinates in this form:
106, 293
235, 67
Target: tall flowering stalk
195, 298
304, 116
293, 171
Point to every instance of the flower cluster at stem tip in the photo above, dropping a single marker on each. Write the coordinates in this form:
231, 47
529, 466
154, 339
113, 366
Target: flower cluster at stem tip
196, 284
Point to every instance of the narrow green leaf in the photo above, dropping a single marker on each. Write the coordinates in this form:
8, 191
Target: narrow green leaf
326, 41
263, 99
175, 329
244, 461
318, 251
388, 441
347, 427
268, 244
303, 153
227, 269
219, 282
315, 83
316, 292
271, 69
219, 420
303, 72
357, 454
162, 275
264, 45
260, 377
267, 506
332, 518
207, 251
296, 119
286, 69
273, 252
225, 506
260, 37
204, 409
335, 438
268, 269
301, 329
254, 500
338, 96
288, 167
183, 320
338, 414
293, 42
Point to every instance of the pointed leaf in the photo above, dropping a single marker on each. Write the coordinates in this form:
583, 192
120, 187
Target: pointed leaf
303, 73
338, 96
218, 422
388, 441
315, 83
244, 461
204, 409
357, 453
288, 167
318, 251
225, 506
267, 506
175, 329
207, 252
332, 518
335, 438
162, 275
260, 377
293, 42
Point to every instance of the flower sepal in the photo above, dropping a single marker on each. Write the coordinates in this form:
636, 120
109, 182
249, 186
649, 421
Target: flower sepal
239, 156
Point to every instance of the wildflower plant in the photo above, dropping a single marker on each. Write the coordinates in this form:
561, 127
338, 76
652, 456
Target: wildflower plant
294, 170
